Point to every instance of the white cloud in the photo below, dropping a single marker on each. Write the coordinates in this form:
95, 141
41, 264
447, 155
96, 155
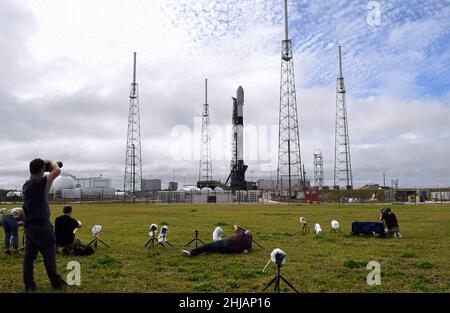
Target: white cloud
65, 94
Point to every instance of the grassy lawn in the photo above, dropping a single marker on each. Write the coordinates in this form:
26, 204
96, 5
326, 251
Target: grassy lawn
419, 262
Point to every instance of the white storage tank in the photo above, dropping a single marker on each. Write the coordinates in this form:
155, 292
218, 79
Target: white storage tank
62, 182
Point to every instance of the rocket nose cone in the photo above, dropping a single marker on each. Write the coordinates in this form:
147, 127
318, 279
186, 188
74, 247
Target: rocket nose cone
240, 93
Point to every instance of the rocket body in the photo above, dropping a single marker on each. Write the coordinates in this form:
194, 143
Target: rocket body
239, 126
238, 167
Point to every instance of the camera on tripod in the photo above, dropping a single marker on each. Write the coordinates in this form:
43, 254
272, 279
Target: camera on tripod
280, 258
48, 166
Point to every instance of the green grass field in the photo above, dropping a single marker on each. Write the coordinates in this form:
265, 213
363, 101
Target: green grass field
418, 262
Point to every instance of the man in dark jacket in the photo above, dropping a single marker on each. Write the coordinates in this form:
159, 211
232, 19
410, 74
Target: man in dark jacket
38, 230
65, 227
391, 223
241, 242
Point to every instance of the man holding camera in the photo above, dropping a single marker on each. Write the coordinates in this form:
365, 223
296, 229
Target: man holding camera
241, 242
38, 229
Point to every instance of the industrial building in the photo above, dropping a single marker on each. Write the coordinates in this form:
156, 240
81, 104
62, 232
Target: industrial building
208, 195
151, 185
68, 186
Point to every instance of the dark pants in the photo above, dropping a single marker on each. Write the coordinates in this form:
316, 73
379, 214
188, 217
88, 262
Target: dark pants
11, 226
219, 246
40, 239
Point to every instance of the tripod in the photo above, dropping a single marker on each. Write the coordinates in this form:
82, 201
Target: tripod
95, 241
276, 281
255, 242
151, 242
163, 242
335, 230
305, 229
196, 240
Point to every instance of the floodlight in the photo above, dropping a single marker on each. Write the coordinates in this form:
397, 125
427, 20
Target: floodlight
217, 234
317, 229
335, 224
303, 220
96, 230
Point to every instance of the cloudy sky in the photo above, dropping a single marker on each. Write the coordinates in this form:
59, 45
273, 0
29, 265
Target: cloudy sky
66, 69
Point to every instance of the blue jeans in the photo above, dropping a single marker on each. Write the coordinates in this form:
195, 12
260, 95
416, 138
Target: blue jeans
220, 246
11, 226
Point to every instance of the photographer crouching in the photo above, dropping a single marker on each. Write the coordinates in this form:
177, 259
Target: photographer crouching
38, 229
65, 228
390, 222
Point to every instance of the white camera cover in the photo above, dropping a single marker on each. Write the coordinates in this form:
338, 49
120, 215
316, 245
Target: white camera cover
335, 224
152, 233
317, 228
217, 233
96, 230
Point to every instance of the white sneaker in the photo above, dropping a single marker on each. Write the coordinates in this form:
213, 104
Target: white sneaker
185, 252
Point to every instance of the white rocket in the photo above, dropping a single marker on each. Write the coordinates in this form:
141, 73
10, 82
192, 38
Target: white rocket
238, 167
239, 124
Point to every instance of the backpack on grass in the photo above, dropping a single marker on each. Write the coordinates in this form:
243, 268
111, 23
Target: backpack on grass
83, 250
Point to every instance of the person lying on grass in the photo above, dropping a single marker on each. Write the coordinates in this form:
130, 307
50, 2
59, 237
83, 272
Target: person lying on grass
241, 242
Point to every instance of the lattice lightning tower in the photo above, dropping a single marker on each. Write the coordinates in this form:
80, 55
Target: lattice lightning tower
289, 172
205, 167
342, 161
133, 158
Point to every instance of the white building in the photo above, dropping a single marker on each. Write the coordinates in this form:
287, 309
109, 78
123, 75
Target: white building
70, 187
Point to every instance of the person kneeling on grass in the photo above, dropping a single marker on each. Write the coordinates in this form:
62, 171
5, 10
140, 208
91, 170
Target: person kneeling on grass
390, 222
11, 221
65, 227
241, 242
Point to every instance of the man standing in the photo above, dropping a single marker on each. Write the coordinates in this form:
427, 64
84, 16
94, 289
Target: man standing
38, 230
65, 227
